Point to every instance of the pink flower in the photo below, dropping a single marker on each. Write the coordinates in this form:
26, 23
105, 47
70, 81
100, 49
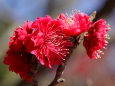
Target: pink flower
95, 39
17, 56
42, 38
79, 23
51, 45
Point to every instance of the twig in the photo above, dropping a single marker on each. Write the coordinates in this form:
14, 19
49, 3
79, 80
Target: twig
76, 41
33, 71
105, 10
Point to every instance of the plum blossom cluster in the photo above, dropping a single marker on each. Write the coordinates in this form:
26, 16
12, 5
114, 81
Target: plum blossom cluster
95, 39
49, 41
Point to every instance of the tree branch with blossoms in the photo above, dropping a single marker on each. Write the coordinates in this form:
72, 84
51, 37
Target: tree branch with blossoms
61, 67
75, 41
51, 42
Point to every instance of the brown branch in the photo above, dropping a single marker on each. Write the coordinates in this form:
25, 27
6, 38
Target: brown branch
61, 67
33, 71
106, 9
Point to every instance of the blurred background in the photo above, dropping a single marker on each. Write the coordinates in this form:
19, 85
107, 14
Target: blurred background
80, 70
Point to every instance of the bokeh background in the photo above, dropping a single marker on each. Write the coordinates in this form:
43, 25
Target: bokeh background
80, 70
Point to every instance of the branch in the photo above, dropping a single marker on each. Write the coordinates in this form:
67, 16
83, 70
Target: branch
61, 67
33, 71
106, 9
